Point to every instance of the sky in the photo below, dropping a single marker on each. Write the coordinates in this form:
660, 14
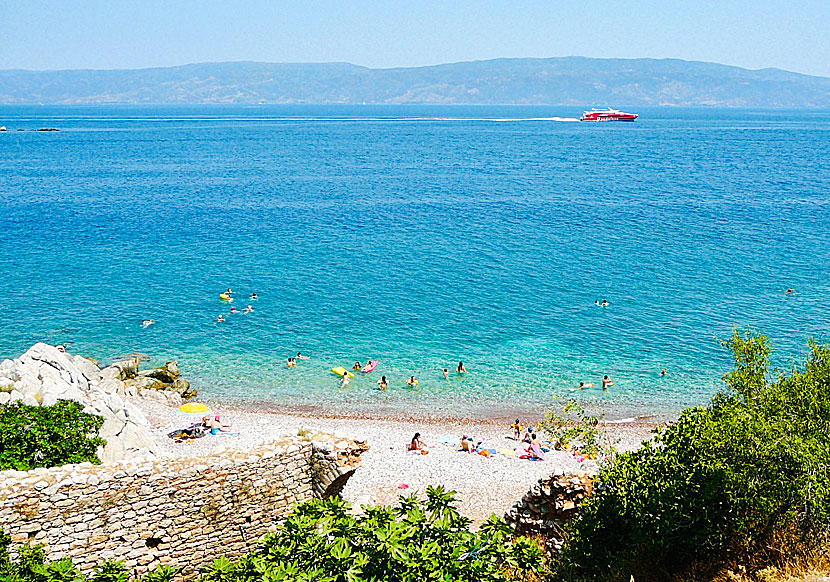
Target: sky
121, 34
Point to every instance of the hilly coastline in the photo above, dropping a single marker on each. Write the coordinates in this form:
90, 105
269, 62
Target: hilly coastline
575, 81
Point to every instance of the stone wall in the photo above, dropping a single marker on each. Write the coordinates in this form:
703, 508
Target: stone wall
183, 512
549, 504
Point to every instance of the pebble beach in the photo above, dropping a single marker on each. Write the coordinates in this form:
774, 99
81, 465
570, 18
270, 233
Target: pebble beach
485, 485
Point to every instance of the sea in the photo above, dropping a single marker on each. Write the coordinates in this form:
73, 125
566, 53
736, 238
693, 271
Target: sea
418, 236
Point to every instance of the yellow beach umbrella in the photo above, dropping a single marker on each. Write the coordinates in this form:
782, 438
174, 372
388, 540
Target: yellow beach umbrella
194, 408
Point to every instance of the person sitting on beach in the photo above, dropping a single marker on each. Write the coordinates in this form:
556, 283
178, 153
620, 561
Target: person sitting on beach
254, 296
528, 434
446, 373
356, 366
412, 382
248, 309
301, 356
461, 369
416, 444
606, 382
534, 449
467, 445
291, 362
216, 425
147, 323
382, 383
517, 429
220, 319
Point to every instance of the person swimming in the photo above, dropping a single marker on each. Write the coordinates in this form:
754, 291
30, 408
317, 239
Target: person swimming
248, 309
344, 381
606, 382
790, 291
147, 323
356, 366
383, 384
597, 303
220, 319
584, 385
412, 382
446, 373
291, 362
254, 296
235, 310
301, 356
461, 369
663, 372
605, 303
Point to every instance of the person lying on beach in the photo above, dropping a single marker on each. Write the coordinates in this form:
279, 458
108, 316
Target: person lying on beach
301, 357
416, 444
147, 323
461, 369
382, 383
356, 366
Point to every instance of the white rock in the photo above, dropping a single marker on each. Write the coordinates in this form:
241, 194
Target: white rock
6, 384
14, 396
5, 397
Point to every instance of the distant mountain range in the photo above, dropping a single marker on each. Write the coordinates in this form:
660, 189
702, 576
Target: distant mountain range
556, 81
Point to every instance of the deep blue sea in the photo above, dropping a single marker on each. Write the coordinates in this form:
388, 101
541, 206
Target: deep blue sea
419, 236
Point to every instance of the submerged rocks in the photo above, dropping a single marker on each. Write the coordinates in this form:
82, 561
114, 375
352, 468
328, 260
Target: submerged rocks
165, 378
43, 375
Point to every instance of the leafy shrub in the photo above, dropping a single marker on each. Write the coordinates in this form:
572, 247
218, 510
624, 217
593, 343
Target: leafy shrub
47, 436
746, 478
574, 426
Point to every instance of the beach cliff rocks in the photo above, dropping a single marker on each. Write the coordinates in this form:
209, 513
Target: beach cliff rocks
43, 375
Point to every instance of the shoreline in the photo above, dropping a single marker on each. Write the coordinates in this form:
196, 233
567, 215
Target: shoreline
484, 485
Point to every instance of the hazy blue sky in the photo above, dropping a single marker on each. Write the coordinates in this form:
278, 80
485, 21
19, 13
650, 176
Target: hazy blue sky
35, 34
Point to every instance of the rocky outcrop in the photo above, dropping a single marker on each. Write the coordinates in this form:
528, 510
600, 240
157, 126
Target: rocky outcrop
44, 375
552, 502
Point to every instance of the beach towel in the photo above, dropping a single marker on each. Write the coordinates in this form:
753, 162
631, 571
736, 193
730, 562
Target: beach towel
450, 441
507, 452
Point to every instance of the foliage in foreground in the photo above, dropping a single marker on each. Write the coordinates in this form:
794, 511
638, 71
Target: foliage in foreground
47, 436
744, 480
321, 542
574, 426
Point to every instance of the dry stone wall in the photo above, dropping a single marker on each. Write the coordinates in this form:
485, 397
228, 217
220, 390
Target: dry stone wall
183, 512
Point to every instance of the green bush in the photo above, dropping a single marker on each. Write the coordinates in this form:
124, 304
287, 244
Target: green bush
745, 479
47, 436
322, 542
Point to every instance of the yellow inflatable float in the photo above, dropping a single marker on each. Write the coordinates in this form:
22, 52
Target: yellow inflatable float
341, 371
224, 296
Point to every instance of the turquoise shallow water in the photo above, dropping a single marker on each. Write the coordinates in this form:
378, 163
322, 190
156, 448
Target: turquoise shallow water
419, 236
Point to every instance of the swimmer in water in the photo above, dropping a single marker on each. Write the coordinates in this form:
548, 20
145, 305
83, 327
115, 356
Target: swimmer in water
584, 385
663, 372
254, 296
291, 362
605, 303
446, 373
235, 310
248, 309
229, 292
412, 382
301, 357
344, 381
382, 383
790, 291
461, 369
147, 323
606, 382
220, 319
596, 303
356, 366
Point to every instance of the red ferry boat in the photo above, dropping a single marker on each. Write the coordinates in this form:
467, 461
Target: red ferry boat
607, 115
